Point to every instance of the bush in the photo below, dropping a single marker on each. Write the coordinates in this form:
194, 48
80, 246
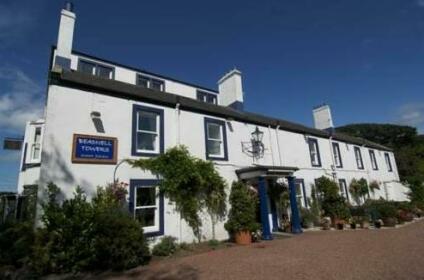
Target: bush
381, 209
79, 235
332, 203
242, 216
358, 189
308, 218
213, 243
16, 240
166, 247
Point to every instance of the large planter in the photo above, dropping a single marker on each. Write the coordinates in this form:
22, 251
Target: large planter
389, 222
365, 224
243, 238
405, 216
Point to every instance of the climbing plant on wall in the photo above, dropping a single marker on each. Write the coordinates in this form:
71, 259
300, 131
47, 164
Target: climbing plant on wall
191, 183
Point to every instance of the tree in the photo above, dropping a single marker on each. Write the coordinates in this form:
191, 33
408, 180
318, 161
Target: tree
191, 183
333, 204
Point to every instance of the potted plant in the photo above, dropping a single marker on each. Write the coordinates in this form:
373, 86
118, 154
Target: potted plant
326, 223
242, 216
353, 221
364, 222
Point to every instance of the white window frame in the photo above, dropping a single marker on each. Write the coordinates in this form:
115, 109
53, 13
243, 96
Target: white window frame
373, 158
221, 140
157, 133
300, 195
35, 145
337, 155
156, 225
314, 152
358, 157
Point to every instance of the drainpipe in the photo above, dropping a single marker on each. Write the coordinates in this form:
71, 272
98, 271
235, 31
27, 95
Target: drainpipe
278, 143
177, 111
334, 173
270, 145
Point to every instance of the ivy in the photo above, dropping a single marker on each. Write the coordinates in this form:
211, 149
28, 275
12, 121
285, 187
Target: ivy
191, 183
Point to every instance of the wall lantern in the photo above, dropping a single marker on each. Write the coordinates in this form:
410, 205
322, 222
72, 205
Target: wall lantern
97, 121
254, 148
257, 136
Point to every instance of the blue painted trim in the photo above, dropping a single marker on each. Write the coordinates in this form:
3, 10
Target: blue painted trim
160, 112
387, 158
96, 67
372, 157
314, 140
360, 157
274, 215
237, 105
336, 148
263, 205
295, 220
224, 130
147, 183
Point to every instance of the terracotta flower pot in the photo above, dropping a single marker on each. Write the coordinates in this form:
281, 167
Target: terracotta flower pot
243, 238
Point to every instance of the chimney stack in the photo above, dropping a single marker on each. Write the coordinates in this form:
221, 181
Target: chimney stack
231, 90
322, 118
65, 37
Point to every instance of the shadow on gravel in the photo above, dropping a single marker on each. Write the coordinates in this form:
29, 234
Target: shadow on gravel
163, 273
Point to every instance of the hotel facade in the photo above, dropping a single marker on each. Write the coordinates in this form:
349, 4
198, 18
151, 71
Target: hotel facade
99, 113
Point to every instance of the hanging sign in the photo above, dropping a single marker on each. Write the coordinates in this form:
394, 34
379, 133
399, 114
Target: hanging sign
94, 149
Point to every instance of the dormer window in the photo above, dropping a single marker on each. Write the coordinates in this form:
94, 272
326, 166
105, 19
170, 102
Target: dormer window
149, 82
206, 97
95, 69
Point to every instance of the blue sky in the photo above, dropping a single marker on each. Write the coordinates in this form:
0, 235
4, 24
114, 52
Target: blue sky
364, 58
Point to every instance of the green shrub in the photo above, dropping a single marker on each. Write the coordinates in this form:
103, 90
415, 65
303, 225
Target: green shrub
308, 218
242, 216
79, 235
16, 240
166, 247
332, 203
213, 243
358, 189
381, 209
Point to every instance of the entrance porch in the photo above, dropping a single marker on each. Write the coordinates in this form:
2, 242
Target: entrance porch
261, 177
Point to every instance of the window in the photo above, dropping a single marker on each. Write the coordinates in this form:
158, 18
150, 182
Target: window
216, 139
36, 145
146, 204
343, 189
149, 82
206, 97
337, 156
314, 152
300, 193
373, 160
388, 162
358, 157
96, 69
147, 131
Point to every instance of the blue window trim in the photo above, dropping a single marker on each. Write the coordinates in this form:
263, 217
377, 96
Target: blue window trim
224, 131
96, 67
360, 157
314, 140
302, 182
389, 161
345, 187
136, 109
336, 145
148, 183
372, 156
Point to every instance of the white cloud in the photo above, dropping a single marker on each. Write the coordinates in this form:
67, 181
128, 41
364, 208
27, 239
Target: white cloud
412, 114
420, 3
20, 99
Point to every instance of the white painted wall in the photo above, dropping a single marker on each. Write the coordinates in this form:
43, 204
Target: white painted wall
68, 112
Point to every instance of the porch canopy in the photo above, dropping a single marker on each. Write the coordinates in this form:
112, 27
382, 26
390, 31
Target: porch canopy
265, 171
262, 174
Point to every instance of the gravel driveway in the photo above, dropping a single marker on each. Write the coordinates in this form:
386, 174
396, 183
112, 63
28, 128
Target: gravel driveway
361, 254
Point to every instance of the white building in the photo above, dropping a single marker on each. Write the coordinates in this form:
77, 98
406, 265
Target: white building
99, 112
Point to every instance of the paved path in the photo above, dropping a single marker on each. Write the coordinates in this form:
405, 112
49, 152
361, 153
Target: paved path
362, 254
